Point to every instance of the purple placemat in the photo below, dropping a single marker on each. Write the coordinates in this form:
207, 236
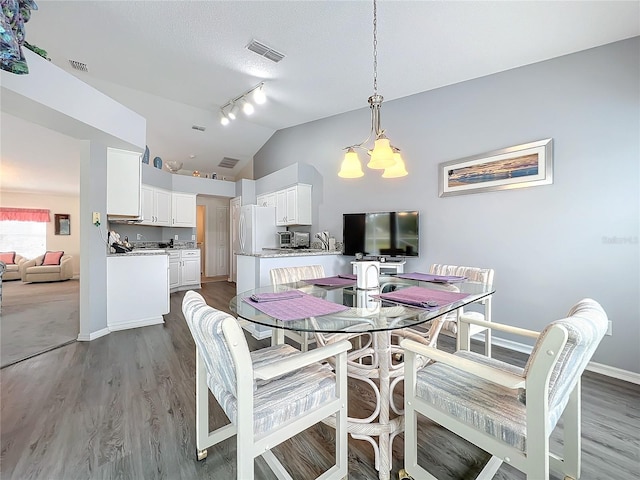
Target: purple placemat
304, 306
423, 297
350, 276
428, 277
335, 281
274, 296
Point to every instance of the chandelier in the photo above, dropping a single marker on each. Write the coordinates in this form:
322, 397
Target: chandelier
384, 156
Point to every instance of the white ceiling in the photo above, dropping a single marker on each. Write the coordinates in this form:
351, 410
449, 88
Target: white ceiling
177, 62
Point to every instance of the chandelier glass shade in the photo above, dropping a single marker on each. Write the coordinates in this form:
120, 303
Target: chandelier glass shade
383, 156
351, 167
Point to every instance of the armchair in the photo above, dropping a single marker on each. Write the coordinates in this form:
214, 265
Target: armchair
291, 275
12, 271
450, 327
505, 410
269, 395
32, 271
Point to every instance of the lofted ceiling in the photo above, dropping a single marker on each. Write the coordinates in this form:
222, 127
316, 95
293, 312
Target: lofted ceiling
177, 62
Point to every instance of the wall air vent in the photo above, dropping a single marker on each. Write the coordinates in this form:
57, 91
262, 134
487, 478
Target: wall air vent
78, 66
228, 162
198, 127
264, 51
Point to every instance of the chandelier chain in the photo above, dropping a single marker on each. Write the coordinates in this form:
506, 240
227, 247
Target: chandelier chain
375, 49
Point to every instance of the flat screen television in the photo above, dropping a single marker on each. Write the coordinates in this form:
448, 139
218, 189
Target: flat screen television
381, 234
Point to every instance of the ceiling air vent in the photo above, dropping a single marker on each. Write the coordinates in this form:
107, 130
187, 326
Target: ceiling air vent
78, 66
228, 162
264, 51
198, 127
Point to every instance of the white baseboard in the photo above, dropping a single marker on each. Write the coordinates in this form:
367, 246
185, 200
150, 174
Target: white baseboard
93, 335
143, 322
612, 372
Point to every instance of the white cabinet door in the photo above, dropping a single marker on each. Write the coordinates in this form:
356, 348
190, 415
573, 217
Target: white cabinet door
261, 200
174, 269
303, 204
183, 209
271, 199
292, 205
190, 271
162, 210
147, 204
281, 208
123, 183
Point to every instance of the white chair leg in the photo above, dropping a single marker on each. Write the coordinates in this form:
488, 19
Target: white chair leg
487, 343
572, 435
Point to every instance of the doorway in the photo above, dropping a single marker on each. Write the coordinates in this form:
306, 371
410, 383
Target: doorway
201, 228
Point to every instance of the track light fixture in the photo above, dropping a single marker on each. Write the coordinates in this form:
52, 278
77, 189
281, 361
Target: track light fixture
229, 111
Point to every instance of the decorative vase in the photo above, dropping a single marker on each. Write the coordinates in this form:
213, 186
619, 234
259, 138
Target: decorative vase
145, 155
157, 162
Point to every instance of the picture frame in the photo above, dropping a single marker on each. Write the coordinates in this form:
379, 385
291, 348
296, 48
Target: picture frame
62, 224
526, 165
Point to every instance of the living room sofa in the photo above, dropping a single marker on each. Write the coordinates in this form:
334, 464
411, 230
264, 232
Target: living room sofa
12, 271
33, 271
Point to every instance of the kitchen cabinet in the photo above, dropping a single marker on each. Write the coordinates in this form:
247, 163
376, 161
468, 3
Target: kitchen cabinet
156, 206
123, 183
137, 290
184, 269
293, 205
266, 200
174, 270
183, 209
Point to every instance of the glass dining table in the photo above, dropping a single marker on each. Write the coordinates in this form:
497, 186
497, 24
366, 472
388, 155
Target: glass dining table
374, 325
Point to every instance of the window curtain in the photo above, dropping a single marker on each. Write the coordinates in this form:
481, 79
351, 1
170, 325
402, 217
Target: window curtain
25, 214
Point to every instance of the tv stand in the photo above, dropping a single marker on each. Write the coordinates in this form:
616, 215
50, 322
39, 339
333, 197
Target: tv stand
387, 267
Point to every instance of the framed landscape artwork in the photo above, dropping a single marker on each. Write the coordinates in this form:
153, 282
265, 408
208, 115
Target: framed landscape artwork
526, 165
63, 224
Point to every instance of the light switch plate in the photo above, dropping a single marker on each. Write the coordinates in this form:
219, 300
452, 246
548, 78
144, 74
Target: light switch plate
175, 237
193, 237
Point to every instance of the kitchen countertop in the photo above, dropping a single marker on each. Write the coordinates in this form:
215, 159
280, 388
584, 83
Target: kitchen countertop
304, 252
151, 251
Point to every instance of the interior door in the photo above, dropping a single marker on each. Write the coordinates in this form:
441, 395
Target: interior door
234, 221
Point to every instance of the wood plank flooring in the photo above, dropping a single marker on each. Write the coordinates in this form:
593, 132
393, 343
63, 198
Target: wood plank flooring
123, 406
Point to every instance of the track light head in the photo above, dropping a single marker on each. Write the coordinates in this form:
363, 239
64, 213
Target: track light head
247, 107
259, 96
233, 113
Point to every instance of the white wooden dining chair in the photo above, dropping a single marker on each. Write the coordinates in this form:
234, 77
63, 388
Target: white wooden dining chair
505, 410
269, 395
450, 327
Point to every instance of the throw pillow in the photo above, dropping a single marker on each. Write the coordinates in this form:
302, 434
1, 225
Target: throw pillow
8, 257
52, 258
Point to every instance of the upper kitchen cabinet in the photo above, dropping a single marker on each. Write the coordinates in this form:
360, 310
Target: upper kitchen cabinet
266, 200
293, 205
123, 183
156, 206
183, 210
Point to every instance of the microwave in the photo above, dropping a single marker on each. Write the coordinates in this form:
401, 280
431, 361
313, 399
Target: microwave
293, 239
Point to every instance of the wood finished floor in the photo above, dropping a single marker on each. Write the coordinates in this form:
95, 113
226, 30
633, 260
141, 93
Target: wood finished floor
122, 406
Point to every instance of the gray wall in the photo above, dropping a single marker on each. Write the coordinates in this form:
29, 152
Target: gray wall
550, 245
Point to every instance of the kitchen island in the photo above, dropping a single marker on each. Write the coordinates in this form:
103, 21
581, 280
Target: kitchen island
137, 288
254, 270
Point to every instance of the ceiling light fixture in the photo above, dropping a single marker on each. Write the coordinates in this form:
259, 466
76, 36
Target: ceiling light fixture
229, 111
384, 156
